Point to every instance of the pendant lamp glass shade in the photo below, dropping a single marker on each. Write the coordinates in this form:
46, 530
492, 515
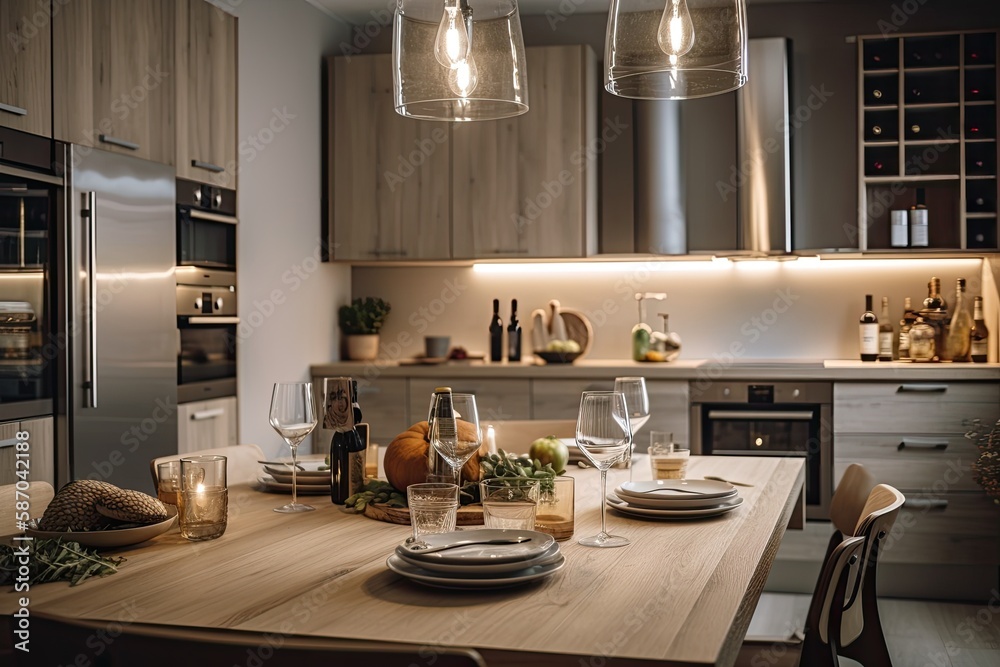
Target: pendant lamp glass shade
675, 49
458, 60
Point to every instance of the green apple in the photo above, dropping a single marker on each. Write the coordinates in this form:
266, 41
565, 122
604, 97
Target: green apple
550, 449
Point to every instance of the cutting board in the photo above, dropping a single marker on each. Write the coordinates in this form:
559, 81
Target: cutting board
470, 515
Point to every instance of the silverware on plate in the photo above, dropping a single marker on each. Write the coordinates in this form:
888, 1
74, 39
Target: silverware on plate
286, 464
728, 481
424, 548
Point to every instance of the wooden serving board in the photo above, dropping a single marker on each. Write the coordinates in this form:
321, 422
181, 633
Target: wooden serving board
469, 515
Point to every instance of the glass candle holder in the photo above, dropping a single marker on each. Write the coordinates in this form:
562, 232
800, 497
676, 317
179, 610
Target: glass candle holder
556, 512
204, 497
168, 481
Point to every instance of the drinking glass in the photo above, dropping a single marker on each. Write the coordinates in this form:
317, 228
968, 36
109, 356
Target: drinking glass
458, 437
637, 402
203, 502
433, 509
293, 416
604, 436
509, 503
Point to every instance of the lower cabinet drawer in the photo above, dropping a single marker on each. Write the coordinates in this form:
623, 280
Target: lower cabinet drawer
932, 464
950, 528
920, 407
496, 399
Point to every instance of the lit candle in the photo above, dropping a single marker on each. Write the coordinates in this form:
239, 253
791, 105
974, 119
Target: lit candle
491, 440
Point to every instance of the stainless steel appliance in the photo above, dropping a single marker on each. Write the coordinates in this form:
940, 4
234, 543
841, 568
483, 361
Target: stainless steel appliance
770, 419
207, 328
206, 226
119, 402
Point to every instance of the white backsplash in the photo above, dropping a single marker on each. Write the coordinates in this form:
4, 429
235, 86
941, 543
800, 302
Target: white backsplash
757, 310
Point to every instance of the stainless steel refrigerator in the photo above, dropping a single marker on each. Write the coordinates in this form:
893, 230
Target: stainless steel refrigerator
118, 388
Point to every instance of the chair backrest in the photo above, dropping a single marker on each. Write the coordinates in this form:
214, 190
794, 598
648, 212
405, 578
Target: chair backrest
830, 599
140, 644
242, 465
39, 495
517, 436
848, 503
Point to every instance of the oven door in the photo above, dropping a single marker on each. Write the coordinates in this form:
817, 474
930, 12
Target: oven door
205, 239
206, 358
774, 430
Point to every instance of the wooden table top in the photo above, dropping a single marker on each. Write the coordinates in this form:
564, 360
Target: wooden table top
682, 593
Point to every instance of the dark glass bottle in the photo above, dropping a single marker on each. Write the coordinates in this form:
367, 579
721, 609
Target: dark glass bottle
347, 449
868, 332
496, 333
513, 334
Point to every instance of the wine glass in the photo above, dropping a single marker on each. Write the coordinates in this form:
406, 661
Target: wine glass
293, 416
604, 436
637, 402
458, 436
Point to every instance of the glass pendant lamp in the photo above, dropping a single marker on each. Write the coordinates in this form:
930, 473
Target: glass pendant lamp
675, 49
458, 60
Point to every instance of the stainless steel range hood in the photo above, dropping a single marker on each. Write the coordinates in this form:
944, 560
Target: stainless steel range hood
698, 190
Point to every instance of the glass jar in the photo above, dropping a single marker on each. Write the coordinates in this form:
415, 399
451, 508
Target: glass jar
922, 341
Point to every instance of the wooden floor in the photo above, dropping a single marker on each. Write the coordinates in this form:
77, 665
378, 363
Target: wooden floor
919, 634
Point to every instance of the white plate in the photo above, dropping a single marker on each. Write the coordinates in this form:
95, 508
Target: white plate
420, 575
617, 503
704, 488
268, 483
311, 469
483, 554
312, 480
547, 557
680, 501
106, 539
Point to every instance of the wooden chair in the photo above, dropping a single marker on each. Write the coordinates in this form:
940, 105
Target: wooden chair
242, 465
39, 495
516, 436
60, 640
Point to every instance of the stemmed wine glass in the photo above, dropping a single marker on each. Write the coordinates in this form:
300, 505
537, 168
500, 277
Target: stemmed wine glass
293, 416
637, 402
604, 436
458, 436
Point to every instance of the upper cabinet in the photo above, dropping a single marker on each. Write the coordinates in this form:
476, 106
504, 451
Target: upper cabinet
389, 174
25, 69
524, 186
113, 76
206, 93
404, 189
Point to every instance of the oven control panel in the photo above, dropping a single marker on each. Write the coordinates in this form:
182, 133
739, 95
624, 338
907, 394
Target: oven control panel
202, 301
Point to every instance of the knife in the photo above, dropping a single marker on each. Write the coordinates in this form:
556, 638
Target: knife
424, 548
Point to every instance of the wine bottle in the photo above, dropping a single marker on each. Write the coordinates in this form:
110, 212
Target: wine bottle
934, 300
496, 333
958, 340
918, 222
513, 334
909, 317
899, 230
885, 333
980, 335
347, 449
438, 469
868, 332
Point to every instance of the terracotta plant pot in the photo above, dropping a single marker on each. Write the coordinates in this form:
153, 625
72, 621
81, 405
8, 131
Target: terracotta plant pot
362, 347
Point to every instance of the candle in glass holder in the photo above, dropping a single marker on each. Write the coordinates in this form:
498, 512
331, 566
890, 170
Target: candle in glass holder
204, 499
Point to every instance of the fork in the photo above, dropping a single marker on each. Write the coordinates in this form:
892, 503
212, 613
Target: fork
728, 481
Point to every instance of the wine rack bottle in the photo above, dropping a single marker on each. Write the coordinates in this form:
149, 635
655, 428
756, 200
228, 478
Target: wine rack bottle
868, 332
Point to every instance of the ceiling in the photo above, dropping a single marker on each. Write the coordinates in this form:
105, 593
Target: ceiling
359, 12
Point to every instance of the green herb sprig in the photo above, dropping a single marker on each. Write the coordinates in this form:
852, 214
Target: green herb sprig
55, 560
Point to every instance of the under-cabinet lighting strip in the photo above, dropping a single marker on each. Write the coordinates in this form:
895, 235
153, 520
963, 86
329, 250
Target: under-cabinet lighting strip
722, 263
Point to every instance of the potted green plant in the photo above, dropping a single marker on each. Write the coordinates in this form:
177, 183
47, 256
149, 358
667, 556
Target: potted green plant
360, 322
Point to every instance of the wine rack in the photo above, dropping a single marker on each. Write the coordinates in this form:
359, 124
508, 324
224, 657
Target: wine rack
927, 115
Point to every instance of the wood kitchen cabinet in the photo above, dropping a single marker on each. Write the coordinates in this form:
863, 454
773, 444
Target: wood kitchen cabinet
496, 399
41, 451
523, 186
113, 76
206, 424
206, 93
25, 69
389, 175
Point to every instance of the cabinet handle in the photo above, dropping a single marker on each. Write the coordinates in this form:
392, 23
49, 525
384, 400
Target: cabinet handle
115, 141
388, 253
10, 108
508, 251
215, 319
208, 166
922, 388
915, 443
926, 503
89, 214
9, 442
202, 415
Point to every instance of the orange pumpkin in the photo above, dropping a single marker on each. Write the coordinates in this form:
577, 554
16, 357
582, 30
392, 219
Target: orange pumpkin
405, 460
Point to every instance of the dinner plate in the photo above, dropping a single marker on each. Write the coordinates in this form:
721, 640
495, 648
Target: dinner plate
681, 501
550, 555
405, 569
310, 469
686, 488
107, 539
315, 480
482, 554
623, 506
268, 483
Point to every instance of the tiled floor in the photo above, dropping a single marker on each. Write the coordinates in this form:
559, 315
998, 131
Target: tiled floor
919, 634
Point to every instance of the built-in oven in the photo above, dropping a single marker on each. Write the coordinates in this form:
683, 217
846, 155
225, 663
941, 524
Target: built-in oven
770, 419
206, 226
207, 328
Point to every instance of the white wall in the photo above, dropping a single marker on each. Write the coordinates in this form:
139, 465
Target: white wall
287, 298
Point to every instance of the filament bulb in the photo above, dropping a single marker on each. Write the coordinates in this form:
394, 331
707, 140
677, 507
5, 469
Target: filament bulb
452, 44
676, 32
463, 79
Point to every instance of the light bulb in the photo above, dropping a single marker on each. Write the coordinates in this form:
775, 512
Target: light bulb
451, 44
676, 32
463, 79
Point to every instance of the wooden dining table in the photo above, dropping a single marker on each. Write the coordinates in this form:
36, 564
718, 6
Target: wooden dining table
681, 593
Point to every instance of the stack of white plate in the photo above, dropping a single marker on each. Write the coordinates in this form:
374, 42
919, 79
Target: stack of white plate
309, 481
675, 498
479, 566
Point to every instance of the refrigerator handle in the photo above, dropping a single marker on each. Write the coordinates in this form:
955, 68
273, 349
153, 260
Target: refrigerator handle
90, 218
